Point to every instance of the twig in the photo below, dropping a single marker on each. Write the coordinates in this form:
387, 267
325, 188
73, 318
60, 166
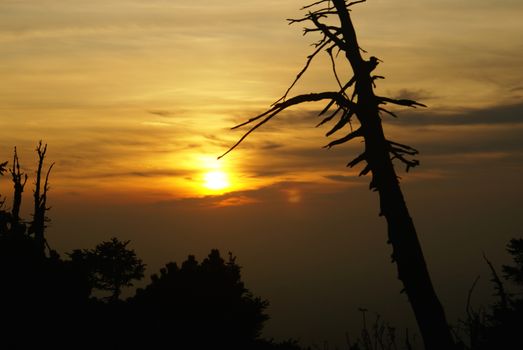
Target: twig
309, 60
469, 297
329, 51
401, 102
499, 285
313, 97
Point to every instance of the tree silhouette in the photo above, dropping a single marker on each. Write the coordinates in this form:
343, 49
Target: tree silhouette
198, 306
111, 266
36, 282
499, 327
515, 273
19, 180
365, 107
205, 305
12, 227
40, 199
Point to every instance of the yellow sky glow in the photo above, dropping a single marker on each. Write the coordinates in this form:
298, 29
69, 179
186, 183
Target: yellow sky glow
216, 180
131, 94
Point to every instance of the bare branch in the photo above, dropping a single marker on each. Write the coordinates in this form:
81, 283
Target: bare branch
46, 185
314, 4
327, 107
309, 60
403, 151
400, 145
332, 36
329, 51
398, 150
499, 285
298, 20
275, 108
329, 118
365, 170
269, 117
401, 102
341, 92
310, 30
376, 77
324, 12
40, 198
41, 150
355, 2
469, 298
357, 160
19, 184
388, 112
345, 118
313, 97
350, 136
408, 163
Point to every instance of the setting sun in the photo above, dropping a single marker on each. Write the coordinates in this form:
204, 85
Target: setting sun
216, 180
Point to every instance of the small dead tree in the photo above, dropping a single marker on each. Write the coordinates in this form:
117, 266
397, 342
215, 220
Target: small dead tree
2, 171
19, 180
40, 200
365, 107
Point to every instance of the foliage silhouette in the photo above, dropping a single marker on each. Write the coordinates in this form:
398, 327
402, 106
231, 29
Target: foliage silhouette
515, 273
203, 298
505, 321
365, 107
110, 266
197, 306
380, 335
499, 326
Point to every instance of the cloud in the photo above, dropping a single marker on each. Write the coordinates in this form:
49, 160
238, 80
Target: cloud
269, 145
419, 95
235, 201
156, 173
341, 178
274, 193
161, 113
500, 114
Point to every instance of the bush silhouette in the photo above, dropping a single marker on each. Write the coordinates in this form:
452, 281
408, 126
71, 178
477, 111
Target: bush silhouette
47, 299
110, 266
202, 303
500, 325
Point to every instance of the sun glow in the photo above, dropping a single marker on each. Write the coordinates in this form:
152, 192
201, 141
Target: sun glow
216, 180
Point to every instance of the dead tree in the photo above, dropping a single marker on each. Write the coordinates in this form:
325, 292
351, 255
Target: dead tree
3, 216
2, 171
38, 224
19, 180
361, 104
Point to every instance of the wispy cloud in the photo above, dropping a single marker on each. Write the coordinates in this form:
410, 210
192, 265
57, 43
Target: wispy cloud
491, 115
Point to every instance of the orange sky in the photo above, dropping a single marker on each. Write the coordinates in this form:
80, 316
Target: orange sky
135, 99
125, 88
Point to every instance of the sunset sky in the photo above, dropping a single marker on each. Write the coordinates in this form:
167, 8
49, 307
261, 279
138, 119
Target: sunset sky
135, 99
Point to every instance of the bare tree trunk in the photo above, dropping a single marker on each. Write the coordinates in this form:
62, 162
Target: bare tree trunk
40, 200
18, 184
407, 252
